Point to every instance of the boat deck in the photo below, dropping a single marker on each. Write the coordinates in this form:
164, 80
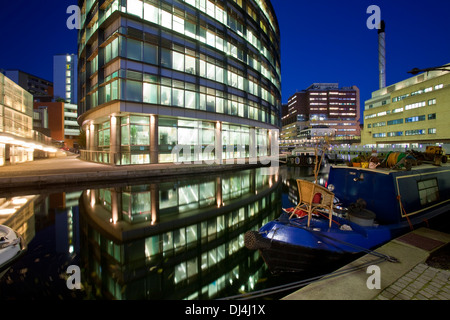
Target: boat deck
389, 171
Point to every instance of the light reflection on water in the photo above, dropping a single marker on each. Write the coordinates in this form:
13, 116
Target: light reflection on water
165, 239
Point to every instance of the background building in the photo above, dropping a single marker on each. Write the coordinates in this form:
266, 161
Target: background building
153, 75
321, 106
410, 113
65, 77
18, 140
41, 89
61, 119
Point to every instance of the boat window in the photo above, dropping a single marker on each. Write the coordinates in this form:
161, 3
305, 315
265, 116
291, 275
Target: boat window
428, 191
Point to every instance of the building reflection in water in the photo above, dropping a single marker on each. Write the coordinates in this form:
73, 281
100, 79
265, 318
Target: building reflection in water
18, 214
182, 239
290, 176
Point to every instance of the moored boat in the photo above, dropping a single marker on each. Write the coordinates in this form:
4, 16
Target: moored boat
366, 208
12, 247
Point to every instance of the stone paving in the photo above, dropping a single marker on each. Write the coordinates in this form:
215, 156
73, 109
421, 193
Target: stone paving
421, 273
421, 283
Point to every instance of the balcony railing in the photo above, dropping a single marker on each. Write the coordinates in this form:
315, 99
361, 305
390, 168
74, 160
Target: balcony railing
95, 156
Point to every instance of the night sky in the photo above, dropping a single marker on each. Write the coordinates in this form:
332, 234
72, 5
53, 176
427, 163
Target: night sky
321, 41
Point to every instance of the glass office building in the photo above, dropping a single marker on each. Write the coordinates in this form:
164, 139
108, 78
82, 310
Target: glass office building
154, 75
16, 123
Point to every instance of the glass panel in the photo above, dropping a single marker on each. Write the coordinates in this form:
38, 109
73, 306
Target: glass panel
202, 102
140, 203
139, 135
166, 96
106, 137
178, 97
115, 90
140, 159
188, 194
168, 136
179, 238
192, 267
151, 13
178, 24
168, 199
190, 99
152, 246
108, 93
139, 120
166, 19
202, 68
134, 91
166, 58
150, 53
190, 29
125, 136
207, 193
210, 103
191, 234
190, 65
219, 74
211, 71
187, 136
178, 61
135, 7
208, 137
134, 49
219, 105
150, 93
180, 273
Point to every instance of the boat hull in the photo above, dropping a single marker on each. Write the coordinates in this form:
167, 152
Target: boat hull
12, 249
285, 257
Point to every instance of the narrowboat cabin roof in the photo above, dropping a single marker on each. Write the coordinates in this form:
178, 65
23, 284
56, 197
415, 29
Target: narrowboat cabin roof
421, 167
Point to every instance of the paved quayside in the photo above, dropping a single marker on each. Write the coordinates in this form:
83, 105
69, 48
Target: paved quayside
412, 278
72, 171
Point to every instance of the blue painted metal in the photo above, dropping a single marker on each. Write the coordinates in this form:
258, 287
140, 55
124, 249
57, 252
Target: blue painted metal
319, 236
394, 197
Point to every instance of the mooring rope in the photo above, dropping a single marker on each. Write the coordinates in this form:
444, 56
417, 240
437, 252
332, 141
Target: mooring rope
299, 284
291, 286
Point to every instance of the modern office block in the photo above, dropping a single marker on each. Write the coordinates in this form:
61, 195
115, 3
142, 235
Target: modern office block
410, 113
323, 105
40, 88
65, 77
16, 122
62, 122
156, 75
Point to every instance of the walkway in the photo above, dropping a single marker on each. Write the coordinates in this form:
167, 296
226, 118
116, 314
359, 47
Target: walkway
71, 170
415, 277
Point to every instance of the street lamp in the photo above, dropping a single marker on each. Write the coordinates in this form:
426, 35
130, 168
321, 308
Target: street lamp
441, 68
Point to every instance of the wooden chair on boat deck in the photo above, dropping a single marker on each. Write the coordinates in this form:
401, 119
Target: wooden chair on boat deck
307, 191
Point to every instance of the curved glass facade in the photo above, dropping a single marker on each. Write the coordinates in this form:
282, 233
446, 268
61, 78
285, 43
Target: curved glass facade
156, 74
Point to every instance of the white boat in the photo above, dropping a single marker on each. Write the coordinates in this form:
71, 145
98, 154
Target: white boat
12, 247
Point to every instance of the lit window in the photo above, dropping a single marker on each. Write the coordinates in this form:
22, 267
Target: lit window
166, 19
135, 7
428, 191
151, 13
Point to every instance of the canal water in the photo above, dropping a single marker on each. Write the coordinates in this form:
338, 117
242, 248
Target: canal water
175, 238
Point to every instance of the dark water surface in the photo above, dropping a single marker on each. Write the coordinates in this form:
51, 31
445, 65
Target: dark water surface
158, 239
176, 239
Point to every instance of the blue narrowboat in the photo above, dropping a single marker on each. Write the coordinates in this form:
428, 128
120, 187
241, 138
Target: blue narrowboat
369, 208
